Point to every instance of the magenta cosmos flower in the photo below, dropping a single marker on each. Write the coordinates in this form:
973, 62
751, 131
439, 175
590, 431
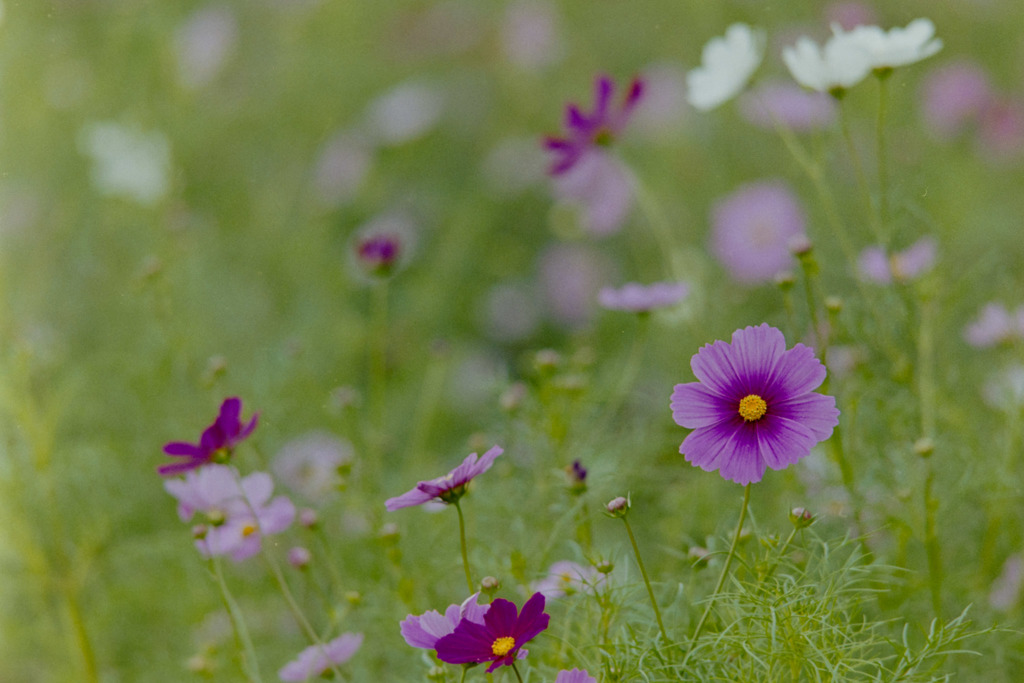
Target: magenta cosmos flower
316, 660
216, 443
426, 629
637, 298
499, 638
753, 406
597, 129
448, 488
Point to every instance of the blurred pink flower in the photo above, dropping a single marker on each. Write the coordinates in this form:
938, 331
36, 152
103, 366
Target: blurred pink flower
1001, 131
903, 266
995, 325
953, 96
751, 229
530, 36
1005, 591
789, 105
600, 185
637, 298
566, 577
571, 276
341, 167
849, 14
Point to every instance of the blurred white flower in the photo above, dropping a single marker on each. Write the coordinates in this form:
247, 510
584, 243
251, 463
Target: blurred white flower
203, 43
342, 167
127, 162
727, 63
404, 113
529, 35
310, 464
897, 47
841, 64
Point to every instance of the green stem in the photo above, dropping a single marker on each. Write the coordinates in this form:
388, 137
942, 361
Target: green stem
465, 669
465, 552
647, 581
926, 390
725, 569
629, 371
659, 226
883, 171
516, 672
250, 665
81, 635
858, 169
378, 374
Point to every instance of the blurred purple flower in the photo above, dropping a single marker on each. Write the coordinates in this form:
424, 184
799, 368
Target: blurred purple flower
216, 442
878, 267
665, 109
953, 96
753, 406
316, 660
597, 129
382, 246
995, 325
529, 34
499, 639
426, 629
637, 298
849, 14
566, 577
203, 43
239, 512
789, 105
599, 184
310, 463
451, 486
571, 276
574, 676
752, 228
299, 557
1001, 131
1005, 591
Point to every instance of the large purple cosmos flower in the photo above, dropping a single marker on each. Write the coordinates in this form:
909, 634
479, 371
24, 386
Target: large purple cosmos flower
448, 488
216, 443
597, 129
499, 638
754, 405
316, 660
426, 629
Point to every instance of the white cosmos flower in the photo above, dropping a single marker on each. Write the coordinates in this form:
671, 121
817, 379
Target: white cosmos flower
726, 65
841, 64
898, 46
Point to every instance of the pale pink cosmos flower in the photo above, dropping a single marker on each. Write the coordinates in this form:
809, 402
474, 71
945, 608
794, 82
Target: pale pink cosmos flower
995, 325
567, 577
903, 266
317, 660
1005, 591
1001, 131
953, 96
574, 676
777, 102
571, 276
203, 43
451, 486
637, 298
530, 35
425, 630
752, 227
599, 185
310, 463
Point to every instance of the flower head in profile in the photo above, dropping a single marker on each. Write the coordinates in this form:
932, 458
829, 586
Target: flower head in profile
216, 442
878, 267
574, 676
727, 63
498, 640
239, 512
754, 406
426, 629
451, 486
317, 660
752, 228
835, 68
637, 298
567, 577
886, 50
600, 128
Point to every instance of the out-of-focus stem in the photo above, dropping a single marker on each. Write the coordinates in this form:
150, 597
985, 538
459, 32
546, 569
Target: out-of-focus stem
462, 543
250, 665
647, 581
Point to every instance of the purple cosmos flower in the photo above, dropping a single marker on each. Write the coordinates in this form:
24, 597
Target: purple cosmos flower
597, 129
753, 406
382, 246
425, 630
565, 578
316, 660
238, 512
752, 228
574, 676
216, 443
995, 325
638, 298
499, 638
917, 259
451, 486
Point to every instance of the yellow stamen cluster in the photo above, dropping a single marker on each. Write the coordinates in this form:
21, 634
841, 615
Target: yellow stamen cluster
752, 407
503, 645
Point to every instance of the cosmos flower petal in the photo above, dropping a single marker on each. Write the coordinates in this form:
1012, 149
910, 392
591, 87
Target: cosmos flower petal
713, 367
708, 447
756, 350
230, 410
798, 371
532, 619
784, 443
817, 412
408, 499
501, 618
694, 405
182, 449
742, 462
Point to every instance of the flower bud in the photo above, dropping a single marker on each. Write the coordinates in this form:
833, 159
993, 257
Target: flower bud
353, 598
924, 447
801, 518
389, 532
437, 673
308, 518
785, 279
512, 397
800, 245
299, 557
576, 474
604, 566
698, 556
489, 585
833, 304
617, 507
546, 360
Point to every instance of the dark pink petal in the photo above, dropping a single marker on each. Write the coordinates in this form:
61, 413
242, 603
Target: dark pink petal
694, 405
230, 410
181, 449
532, 620
179, 467
501, 617
603, 94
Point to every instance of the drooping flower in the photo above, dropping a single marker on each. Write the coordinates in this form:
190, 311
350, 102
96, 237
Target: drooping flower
317, 660
886, 50
878, 267
727, 63
498, 640
840, 65
216, 442
238, 512
753, 406
752, 228
995, 325
451, 486
788, 104
574, 676
597, 129
426, 629
637, 298
567, 577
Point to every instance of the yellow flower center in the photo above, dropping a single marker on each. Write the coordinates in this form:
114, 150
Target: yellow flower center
501, 646
752, 407
249, 529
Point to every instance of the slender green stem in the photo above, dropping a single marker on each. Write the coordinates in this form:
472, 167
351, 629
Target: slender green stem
81, 635
725, 568
629, 371
465, 669
647, 581
250, 665
883, 170
378, 374
926, 390
465, 551
659, 226
858, 169
516, 672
